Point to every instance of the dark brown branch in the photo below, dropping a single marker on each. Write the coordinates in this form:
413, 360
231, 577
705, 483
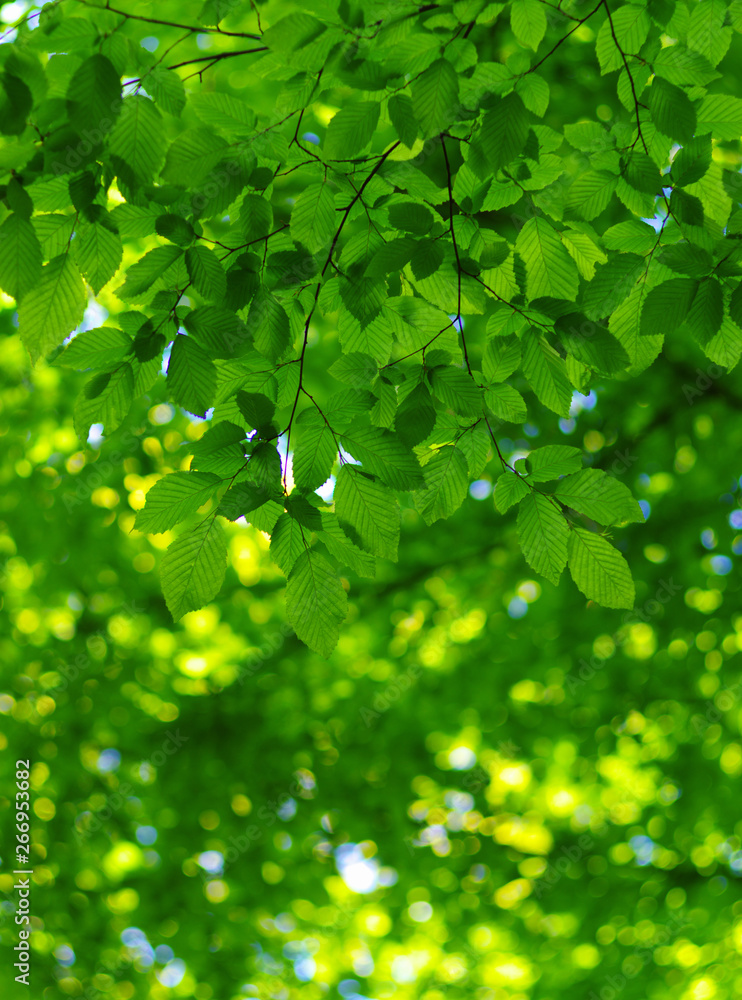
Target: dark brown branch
198, 29
456, 251
562, 40
628, 73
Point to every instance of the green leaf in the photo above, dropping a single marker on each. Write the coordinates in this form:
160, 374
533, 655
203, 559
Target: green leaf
457, 389
392, 256
415, 417
687, 259
584, 252
342, 548
96, 349
591, 193
447, 478
192, 156
707, 311
256, 217
221, 450
313, 217
403, 119
220, 331
191, 376
84, 189
137, 142
612, 284
686, 208
509, 490
264, 467
265, 516
355, 369
533, 90
385, 407
256, 408
244, 498
316, 604
632, 236
599, 570
626, 326
133, 223
20, 257
550, 271
19, 200
106, 400
242, 284
368, 512
315, 451
54, 232
592, 344
543, 533
426, 259
147, 346
599, 496
721, 115
363, 296
725, 347
735, 305
206, 273
94, 98
553, 461
214, 12
193, 568
506, 403
247, 373
494, 254
546, 373
504, 131
98, 253
411, 217
384, 455
54, 309
591, 137
413, 320
16, 101
528, 21
671, 110
293, 33
631, 25
679, 65
174, 498
224, 112
501, 358
667, 305
706, 32
306, 509
435, 95
287, 542
351, 129
692, 161
268, 323
69, 33
141, 276
641, 172
167, 90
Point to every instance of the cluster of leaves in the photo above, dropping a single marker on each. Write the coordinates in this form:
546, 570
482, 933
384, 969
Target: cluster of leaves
548, 538
437, 196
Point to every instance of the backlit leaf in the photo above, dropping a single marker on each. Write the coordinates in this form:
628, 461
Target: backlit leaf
193, 568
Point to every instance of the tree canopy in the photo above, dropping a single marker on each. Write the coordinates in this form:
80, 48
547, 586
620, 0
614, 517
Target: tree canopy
334, 333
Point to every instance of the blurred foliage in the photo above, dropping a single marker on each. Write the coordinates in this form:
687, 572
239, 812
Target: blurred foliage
491, 789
